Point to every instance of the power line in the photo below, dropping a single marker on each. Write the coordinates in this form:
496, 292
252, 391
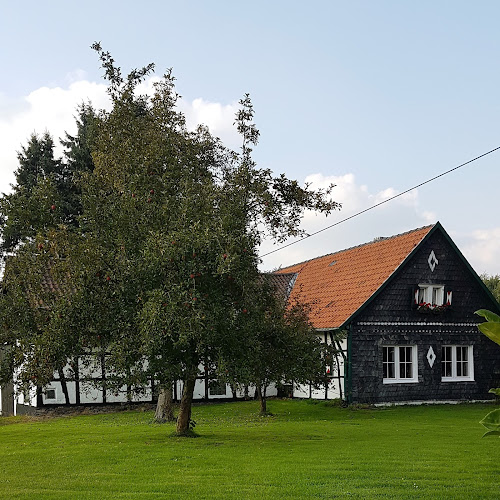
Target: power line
380, 203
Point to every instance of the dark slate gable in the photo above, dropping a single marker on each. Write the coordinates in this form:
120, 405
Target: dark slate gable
391, 318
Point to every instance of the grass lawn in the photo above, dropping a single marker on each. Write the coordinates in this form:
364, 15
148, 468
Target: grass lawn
306, 450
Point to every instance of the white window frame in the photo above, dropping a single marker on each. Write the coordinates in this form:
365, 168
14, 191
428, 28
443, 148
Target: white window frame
426, 294
397, 379
454, 364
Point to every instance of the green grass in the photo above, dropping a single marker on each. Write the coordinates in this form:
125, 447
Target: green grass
306, 450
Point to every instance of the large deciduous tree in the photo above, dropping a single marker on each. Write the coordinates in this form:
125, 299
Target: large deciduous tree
163, 269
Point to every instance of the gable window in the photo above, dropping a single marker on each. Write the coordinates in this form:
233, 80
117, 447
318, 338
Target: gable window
399, 363
456, 363
430, 294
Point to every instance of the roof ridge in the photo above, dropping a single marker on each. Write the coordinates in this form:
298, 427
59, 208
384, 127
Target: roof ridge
385, 238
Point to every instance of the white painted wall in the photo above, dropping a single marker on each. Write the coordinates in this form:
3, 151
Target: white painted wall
333, 392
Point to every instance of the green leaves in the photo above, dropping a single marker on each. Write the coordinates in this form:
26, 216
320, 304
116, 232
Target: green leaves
492, 423
492, 328
488, 315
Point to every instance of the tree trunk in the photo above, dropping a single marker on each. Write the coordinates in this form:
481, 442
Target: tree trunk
165, 406
184, 416
64, 385
233, 391
262, 399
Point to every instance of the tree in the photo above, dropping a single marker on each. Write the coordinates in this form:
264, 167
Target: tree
164, 264
47, 193
277, 342
44, 205
493, 284
37, 178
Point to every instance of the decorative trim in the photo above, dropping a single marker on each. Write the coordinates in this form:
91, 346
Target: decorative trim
432, 402
412, 323
431, 356
432, 261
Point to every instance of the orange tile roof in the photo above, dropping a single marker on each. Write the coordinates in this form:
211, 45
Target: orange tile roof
338, 284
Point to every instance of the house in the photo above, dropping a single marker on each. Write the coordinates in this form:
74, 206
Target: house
401, 312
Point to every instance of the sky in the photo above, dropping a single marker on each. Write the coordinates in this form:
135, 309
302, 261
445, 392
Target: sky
375, 97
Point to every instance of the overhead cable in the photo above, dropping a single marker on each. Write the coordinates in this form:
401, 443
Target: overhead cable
381, 203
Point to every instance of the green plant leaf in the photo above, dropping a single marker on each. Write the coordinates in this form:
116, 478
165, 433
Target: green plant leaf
488, 315
491, 330
495, 391
492, 420
491, 433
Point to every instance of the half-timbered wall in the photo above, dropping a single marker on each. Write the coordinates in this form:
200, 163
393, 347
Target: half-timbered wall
85, 384
335, 388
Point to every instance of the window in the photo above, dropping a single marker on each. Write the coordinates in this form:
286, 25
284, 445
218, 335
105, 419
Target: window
456, 363
430, 294
50, 393
399, 364
217, 388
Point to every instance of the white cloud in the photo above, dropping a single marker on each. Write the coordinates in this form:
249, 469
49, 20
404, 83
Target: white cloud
394, 217
52, 109
482, 249
46, 108
219, 118
430, 217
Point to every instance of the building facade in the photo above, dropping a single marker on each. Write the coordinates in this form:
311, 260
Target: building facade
405, 307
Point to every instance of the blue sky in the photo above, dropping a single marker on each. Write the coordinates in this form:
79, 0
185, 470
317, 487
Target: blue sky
374, 96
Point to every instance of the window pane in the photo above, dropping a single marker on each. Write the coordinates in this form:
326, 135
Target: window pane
446, 368
405, 362
388, 362
462, 361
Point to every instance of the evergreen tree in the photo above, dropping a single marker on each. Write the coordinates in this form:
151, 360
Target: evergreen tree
31, 206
